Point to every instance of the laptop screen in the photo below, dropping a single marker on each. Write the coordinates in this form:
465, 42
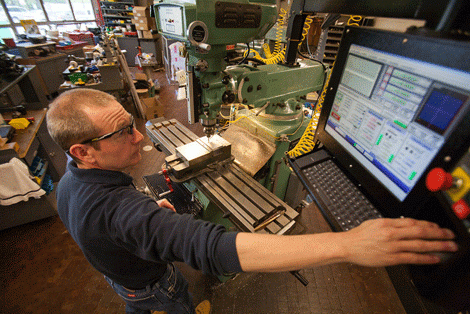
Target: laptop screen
393, 113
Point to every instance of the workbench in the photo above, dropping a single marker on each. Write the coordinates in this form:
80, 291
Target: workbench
50, 69
27, 87
33, 141
111, 80
25, 138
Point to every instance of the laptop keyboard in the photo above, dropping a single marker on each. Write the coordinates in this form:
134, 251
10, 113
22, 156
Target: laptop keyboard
343, 200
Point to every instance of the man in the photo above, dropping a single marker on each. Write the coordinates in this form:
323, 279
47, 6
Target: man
132, 239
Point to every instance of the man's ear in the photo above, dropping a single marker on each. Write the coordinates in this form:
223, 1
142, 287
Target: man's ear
82, 152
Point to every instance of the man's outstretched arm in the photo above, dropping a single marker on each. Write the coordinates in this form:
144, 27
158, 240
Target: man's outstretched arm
379, 242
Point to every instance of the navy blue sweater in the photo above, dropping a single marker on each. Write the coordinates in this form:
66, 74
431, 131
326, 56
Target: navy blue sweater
126, 236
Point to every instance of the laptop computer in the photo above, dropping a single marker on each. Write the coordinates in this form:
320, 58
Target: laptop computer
397, 106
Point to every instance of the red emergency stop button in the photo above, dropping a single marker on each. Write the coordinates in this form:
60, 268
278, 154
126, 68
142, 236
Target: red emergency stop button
461, 209
438, 180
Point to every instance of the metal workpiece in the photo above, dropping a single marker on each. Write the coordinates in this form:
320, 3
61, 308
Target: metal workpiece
215, 148
194, 157
242, 199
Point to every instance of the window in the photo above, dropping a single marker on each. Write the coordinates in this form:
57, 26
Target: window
83, 9
30, 11
3, 16
48, 14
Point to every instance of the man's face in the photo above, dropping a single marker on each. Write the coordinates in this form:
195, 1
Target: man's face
122, 149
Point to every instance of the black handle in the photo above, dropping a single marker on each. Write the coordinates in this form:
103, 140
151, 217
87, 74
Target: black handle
299, 277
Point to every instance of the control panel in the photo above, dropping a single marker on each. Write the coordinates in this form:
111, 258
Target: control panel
447, 283
455, 187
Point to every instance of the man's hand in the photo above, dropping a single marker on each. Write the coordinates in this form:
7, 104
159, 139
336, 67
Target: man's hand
165, 203
386, 242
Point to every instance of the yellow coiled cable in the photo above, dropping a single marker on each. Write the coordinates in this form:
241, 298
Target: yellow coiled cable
282, 22
306, 142
307, 23
278, 54
354, 20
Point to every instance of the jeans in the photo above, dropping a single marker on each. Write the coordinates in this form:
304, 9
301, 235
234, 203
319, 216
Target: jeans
169, 294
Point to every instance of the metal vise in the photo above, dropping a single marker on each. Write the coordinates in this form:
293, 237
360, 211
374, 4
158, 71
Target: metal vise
193, 157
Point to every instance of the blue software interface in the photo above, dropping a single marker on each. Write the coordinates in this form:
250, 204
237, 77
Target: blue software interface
393, 114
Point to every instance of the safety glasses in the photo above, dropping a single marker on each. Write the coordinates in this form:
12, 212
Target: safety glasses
129, 128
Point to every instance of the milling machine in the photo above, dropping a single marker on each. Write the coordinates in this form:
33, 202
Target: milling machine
264, 100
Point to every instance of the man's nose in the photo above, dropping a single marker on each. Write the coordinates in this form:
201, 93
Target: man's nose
137, 137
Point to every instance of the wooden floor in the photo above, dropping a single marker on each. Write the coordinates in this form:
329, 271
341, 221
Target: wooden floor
42, 270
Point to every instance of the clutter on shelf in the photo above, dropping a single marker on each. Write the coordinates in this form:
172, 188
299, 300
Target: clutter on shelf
9, 68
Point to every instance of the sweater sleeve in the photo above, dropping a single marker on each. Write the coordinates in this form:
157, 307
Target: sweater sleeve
159, 234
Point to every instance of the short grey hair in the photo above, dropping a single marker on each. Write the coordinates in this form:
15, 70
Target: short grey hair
67, 122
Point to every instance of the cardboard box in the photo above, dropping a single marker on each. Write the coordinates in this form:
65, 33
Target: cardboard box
142, 27
141, 12
140, 76
142, 20
3, 141
153, 108
147, 34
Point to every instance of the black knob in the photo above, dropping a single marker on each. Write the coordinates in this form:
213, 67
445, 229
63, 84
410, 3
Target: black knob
226, 80
228, 97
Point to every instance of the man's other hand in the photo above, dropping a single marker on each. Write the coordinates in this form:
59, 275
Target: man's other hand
165, 203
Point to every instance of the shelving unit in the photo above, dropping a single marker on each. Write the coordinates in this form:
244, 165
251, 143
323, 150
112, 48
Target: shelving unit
117, 13
50, 68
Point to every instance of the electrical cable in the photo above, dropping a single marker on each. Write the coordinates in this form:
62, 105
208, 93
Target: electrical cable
306, 142
313, 59
247, 53
243, 59
308, 22
305, 30
308, 48
278, 54
354, 20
